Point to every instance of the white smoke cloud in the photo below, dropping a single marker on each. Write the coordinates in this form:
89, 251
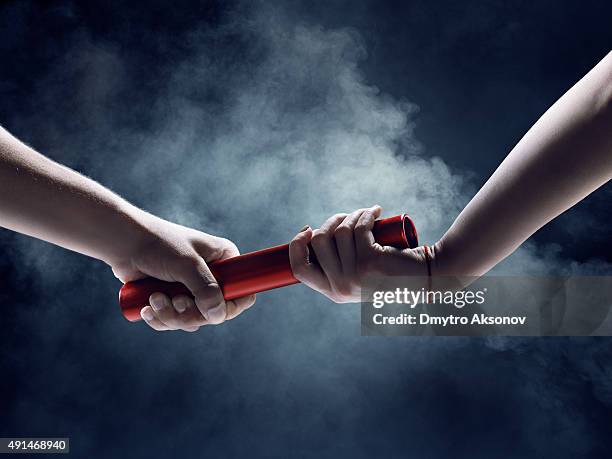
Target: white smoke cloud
300, 137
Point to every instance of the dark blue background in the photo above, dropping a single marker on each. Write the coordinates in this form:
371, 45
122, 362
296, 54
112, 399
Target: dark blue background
292, 377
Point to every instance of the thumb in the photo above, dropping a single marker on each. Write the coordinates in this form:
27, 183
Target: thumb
198, 278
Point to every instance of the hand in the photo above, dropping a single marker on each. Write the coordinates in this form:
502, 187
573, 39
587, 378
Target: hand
346, 251
172, 252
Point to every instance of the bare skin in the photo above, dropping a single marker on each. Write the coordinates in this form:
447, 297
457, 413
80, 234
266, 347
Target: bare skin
564, 157
46, 200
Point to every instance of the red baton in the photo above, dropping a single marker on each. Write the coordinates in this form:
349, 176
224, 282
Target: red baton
256, 271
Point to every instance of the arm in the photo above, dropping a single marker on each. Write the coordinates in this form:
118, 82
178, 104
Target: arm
564, 157
46, 200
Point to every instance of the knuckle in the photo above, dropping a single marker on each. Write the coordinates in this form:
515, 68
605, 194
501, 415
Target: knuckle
229, 247
319, 237
343, 231
227, 243
295, 245
361, 228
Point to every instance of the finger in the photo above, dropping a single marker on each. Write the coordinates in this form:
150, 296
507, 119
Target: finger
345, 242
189, 316
208, 296
182, 303
364, 239
239, 305
324, 246
164, 311
304, 271
148, 316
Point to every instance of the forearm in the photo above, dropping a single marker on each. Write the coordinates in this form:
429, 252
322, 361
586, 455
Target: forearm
564, 157
48, 201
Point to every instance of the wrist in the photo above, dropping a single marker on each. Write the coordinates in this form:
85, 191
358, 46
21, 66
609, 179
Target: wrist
449, 269
438, 264
443, 272
132, 230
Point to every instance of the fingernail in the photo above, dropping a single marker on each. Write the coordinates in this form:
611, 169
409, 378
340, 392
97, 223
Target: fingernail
305, 228
216, 315
159, 301
180, 307
146, 314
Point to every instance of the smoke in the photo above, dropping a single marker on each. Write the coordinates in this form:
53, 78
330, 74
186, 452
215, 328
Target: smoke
296, 136
260, 125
